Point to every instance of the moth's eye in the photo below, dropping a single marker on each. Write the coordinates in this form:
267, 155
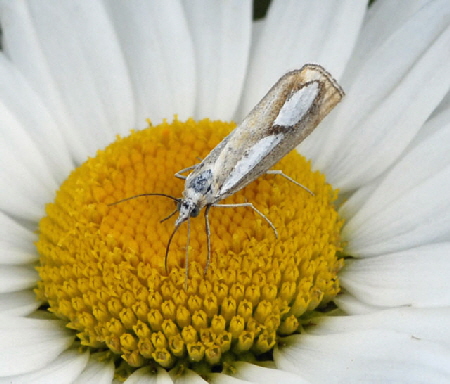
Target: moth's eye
195, 212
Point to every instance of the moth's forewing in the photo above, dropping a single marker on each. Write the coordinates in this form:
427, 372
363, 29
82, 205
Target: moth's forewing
289, 112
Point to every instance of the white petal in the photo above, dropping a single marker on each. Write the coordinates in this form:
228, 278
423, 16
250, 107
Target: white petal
425, 324
69, 53
63, 370
16, 242
147, 375
418, 277
295, 33
220, 378
156, 41
22, 193
187, 377
386, 104
382, 20
353, 306
19, 303
26, 179
29, 128
221, 32
377, 356
17, 278
444, 105
438, 121
29, 344
96, 372
256, 374
409, 207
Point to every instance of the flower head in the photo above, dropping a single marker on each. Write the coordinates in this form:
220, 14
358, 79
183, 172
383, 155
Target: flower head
103, 267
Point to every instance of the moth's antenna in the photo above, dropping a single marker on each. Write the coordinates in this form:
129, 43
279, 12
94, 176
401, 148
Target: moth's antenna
166, 257
168, 217
145, 194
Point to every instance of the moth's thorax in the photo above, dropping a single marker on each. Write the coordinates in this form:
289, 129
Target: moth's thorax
199, 186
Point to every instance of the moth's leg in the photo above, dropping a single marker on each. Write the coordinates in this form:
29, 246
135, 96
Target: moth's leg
279, 172
179, 173
252, 207
208, 238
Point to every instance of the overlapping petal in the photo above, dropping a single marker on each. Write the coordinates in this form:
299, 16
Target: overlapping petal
32, 344
72, 72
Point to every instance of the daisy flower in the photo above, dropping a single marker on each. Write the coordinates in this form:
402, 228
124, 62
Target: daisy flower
355, 287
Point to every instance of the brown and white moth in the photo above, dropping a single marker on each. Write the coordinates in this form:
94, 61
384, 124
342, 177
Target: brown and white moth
289, 112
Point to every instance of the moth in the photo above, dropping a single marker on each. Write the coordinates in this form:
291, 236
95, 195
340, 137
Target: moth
288, 113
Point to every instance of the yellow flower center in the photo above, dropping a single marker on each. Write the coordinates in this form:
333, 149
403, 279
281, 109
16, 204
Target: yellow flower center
102, 266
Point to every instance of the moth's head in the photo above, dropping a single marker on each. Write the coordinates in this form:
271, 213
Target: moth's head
187, 208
